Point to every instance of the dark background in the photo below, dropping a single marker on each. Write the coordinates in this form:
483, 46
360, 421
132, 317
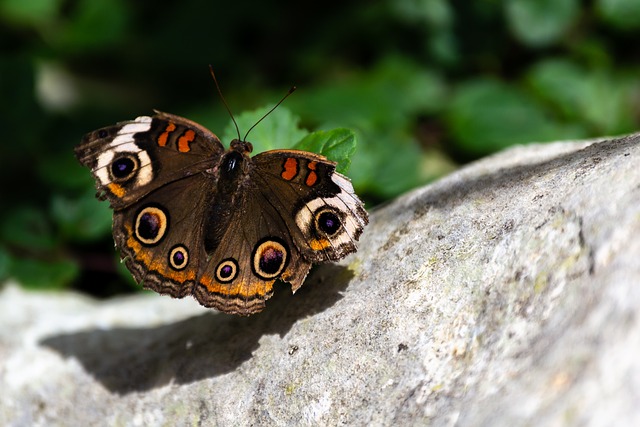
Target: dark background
427, 85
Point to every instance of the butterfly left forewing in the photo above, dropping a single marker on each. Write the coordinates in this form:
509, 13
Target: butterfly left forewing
131, 159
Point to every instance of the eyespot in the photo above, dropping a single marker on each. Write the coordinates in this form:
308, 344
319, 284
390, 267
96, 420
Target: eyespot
110, 165
269, 258
124, 166
151, 225
327, 221
178, 257
227, 270
323, 218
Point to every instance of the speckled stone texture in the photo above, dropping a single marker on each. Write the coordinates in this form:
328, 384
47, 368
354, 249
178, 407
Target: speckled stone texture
505, 294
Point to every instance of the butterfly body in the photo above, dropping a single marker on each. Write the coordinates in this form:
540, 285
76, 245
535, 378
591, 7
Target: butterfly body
191, 218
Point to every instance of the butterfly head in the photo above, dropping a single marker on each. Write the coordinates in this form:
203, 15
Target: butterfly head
242, 147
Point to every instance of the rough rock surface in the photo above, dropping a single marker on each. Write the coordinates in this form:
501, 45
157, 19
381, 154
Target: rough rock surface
505, 294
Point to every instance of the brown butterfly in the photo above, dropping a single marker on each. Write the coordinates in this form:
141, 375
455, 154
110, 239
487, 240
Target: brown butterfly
191, 218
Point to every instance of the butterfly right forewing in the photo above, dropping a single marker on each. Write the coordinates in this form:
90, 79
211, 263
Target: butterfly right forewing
325, 216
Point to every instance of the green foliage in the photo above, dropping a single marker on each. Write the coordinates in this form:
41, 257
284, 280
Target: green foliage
380, 105
596, 101
620, 14
37, 261
479, 104
337, 145
538, 23
28, 229
278, 130
422, 85
33, 13
82, 218
36, 273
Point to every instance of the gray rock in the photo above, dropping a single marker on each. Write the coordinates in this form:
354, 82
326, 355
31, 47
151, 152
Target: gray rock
504, 294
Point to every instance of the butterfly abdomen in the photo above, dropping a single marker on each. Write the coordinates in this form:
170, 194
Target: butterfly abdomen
232, 176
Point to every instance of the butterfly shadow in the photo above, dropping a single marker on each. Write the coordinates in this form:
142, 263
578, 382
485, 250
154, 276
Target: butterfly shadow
127, 360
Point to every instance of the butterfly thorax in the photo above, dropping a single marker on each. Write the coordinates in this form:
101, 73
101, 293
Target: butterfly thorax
233, 176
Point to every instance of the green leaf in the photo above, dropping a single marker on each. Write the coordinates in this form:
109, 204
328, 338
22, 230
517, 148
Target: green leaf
29, 12
81, 219
435, 13
5, 264
622, 14
41, 274
62, 170
389, 166
278, 130
381, 106
486, 116
600, 99
27, 228
560, 83
539, 23
387, 96
337, 145
95, 24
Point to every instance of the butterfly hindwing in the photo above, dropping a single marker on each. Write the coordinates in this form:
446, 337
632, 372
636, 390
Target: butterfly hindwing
250, 256
161, 236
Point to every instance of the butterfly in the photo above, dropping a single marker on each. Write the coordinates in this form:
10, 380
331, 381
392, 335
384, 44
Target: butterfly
191, 218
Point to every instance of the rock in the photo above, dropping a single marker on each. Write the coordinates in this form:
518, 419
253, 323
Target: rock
504, 294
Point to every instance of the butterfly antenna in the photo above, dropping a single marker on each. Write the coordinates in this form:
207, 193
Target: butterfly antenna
224, 101
291, 90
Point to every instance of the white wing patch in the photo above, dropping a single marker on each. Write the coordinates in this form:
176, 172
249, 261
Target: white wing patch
345, 202
124, 143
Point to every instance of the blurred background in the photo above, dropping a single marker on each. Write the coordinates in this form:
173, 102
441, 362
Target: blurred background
426, 85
